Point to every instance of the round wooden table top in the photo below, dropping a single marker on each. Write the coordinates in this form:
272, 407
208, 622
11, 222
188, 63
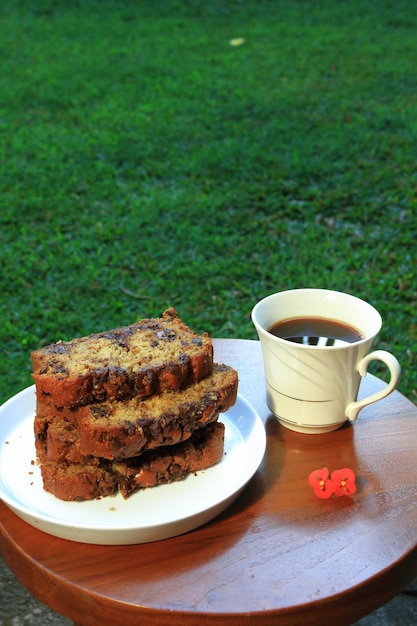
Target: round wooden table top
277, 555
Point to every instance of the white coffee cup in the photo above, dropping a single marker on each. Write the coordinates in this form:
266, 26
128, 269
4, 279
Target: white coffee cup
314, 388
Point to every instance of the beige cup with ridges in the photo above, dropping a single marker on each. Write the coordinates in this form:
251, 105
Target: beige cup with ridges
313, 388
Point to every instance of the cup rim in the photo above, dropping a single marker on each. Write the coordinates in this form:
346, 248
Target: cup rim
327, 292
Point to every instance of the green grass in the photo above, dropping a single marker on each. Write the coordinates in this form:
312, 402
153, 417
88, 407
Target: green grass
146, 162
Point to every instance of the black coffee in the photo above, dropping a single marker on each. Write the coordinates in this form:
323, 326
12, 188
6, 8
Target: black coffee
316, 331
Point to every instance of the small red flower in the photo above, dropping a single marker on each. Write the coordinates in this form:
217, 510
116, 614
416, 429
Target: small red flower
322, 485
343, 482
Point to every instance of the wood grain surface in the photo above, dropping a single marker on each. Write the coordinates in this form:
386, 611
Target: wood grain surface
277, 555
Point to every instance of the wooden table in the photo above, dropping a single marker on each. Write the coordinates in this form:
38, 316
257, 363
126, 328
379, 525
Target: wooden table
277, 555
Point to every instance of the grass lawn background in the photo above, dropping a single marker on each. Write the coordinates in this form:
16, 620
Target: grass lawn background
147, 162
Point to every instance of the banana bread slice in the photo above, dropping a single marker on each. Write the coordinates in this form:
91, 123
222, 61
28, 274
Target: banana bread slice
147, 357
74, 481
124, 429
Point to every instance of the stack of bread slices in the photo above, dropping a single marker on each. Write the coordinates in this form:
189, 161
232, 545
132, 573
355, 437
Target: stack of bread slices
127, 409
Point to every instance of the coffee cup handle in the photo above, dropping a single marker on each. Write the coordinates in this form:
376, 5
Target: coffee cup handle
394, 367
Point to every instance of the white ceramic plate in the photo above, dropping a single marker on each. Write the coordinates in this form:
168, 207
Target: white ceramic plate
148, 515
